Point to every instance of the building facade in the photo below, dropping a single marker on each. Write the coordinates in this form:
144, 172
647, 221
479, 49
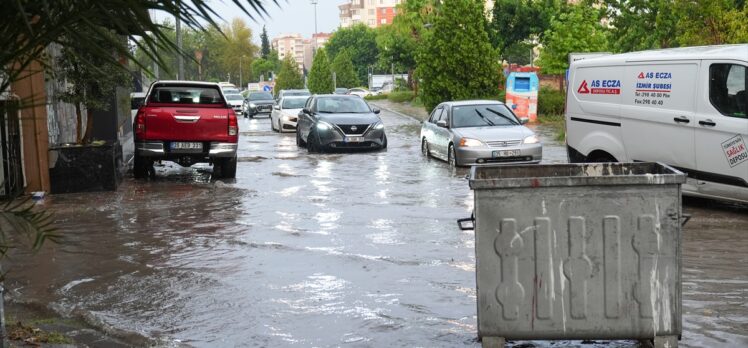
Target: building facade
373, 13
290, 44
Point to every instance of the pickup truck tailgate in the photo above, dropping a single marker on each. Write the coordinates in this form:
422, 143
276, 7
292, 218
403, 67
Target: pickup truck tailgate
187, 124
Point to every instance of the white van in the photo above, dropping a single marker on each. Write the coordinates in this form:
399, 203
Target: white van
685, 107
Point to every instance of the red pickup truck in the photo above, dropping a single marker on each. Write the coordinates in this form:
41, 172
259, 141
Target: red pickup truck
186, 122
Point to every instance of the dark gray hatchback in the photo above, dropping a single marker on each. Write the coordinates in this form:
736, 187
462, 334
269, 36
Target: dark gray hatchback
339, 122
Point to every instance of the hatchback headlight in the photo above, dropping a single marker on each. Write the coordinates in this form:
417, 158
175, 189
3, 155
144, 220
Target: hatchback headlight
323, 126
468, 142
533, 139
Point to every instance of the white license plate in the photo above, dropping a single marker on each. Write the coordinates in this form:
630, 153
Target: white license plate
354, 139
186, 146
506, 153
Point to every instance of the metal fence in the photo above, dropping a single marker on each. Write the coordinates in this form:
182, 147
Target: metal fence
11, 175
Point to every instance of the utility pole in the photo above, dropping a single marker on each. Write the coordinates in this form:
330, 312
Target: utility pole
180, 59
240, 72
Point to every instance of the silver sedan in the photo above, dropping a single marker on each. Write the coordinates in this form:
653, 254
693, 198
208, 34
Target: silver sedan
476, 132
285, 113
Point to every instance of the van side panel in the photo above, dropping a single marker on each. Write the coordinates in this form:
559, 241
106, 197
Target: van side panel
657, 112
593, 110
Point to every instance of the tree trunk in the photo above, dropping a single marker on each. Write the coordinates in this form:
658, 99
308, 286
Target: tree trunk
79, 118
3, 333
89, 128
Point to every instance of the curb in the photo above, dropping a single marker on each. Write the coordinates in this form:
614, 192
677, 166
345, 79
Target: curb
396, 112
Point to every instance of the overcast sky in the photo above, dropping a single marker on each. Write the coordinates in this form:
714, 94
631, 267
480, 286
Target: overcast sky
289, 16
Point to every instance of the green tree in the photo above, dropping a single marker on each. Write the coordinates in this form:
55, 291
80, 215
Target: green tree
457, 60
320, 77
362, 43
262, 67
641, 24
289, 76
265, 44
578, 30
89, 85
519, 53
510, 24
711, 22
29, 27
345, 74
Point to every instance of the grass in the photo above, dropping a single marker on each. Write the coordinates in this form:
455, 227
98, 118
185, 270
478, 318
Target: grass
376, 97
400, 97
30, 334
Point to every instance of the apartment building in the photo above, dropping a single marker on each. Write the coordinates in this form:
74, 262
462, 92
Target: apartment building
290, 44
373, 13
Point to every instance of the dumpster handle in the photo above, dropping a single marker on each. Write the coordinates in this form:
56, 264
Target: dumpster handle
686, 218
467, 227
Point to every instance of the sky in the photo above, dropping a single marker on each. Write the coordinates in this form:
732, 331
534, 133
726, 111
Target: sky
289, 16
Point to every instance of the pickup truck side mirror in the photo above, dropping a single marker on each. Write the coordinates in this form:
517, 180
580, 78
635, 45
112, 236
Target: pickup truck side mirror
441, 123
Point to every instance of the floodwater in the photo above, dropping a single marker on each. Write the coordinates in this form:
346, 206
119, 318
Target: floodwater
353, 249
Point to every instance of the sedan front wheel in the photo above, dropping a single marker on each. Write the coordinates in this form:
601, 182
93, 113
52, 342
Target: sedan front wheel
425, 148
452, 156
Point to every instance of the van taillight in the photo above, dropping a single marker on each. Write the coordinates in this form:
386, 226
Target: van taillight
233, 123
140, 123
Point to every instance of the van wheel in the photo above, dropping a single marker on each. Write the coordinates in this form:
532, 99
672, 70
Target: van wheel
600, 157
140, 167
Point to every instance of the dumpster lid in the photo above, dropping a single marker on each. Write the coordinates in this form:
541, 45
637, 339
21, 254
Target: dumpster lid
581, 174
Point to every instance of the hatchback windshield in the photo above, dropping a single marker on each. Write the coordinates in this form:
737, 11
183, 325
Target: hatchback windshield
234, 97
482, 116
260, 96
294, 103
185, 94
342, 105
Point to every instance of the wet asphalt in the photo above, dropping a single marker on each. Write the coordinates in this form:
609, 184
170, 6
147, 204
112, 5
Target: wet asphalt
344, 249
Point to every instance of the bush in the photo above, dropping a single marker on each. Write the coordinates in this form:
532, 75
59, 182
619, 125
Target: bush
376, 97
400, 97
550, 102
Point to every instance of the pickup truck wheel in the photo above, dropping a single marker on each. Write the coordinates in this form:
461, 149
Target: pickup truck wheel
228, 168
140, 167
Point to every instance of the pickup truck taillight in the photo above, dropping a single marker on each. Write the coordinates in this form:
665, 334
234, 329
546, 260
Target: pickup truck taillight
233, 123
140, 123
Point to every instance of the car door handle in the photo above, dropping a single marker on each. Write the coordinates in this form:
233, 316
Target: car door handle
708, 123
681, 119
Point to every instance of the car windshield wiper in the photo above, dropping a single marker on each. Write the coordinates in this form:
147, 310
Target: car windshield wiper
489, 122
502, 116
325, 112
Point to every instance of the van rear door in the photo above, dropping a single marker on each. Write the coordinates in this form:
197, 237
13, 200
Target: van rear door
722, 131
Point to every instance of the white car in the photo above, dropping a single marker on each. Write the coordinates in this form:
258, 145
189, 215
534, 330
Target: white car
361, 92
236, 101
285, 113
136, 100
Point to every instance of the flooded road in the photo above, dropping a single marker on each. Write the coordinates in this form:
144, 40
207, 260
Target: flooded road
353, 249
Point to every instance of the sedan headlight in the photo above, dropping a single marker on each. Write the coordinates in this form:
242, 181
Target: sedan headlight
251, 105
323, 126
379, 125
468, 142
533, 139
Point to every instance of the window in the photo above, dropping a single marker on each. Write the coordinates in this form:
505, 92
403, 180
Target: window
436, 115
371, 11
727, 89
185, 94
383, 21
371, 22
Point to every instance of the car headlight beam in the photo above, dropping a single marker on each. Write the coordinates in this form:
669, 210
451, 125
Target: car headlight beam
379, 125
533, 139
324, 126
468, 142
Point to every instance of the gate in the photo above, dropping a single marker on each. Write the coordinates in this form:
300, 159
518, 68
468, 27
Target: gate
11, 175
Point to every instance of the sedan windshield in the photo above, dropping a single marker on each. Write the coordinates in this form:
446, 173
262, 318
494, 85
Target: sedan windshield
482, 116
294, 103
342, 105
260, 96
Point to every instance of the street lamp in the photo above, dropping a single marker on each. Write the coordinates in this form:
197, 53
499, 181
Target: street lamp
314, 41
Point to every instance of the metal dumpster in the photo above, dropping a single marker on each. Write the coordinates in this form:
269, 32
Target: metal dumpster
578, 251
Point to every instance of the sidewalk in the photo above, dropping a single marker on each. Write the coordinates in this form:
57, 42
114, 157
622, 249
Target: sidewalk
405, 109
